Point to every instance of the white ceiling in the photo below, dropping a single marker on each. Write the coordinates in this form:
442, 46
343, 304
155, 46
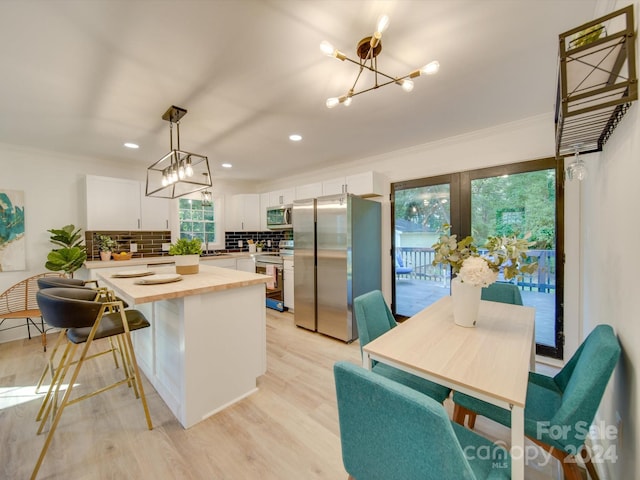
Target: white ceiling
83, 77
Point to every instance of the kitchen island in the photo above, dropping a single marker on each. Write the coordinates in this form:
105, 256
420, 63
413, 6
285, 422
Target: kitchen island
207, 341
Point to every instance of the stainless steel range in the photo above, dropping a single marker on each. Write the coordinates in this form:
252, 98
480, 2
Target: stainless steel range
271, 264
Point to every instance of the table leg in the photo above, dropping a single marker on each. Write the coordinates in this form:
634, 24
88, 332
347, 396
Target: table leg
517, 443
366, 361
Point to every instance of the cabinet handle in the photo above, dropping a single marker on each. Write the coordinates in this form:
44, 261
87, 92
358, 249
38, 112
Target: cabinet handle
138, 223
167, 224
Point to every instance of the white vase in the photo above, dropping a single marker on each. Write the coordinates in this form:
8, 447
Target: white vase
105, 256
466, 303
187, 264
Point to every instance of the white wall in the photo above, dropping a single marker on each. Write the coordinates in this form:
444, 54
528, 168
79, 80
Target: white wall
53, 191
610, 265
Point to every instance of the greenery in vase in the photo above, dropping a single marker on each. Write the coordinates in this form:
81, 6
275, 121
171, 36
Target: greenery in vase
72, 253
184, 246
504, 253
105, 243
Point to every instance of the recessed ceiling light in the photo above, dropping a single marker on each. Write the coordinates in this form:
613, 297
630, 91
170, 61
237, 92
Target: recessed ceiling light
295, 137
131, 145
226, 165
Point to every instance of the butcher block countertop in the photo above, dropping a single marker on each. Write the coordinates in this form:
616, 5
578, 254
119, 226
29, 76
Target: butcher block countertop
209, 279
91, 264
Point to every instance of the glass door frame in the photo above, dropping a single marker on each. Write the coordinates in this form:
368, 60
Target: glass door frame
460, 198
453, 180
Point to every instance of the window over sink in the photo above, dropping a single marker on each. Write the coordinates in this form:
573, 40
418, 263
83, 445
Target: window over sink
198, 220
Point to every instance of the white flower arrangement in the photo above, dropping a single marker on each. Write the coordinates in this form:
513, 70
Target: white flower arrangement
476, 272
508, 254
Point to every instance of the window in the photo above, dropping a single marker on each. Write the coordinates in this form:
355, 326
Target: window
197, 220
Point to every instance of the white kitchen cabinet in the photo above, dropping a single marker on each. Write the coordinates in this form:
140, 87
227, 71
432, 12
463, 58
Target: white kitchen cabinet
334, 186
311, 190
246, 265
121, 204
112, 203
282, 197
288, 283
224, 262
245, 213
366, 184
264, 203
154, 211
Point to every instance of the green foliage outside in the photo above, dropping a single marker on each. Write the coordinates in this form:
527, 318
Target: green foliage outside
501, 206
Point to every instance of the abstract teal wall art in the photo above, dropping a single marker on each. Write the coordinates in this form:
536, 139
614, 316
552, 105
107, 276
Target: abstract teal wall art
12, 241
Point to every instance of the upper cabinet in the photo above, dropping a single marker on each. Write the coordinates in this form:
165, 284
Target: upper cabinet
120, 204
264, 203
367, 184
154, 211
282, 197
311, 190
245, 213
112, 203
597, 81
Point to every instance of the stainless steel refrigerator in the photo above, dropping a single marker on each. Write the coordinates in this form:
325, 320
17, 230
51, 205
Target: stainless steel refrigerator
336, 258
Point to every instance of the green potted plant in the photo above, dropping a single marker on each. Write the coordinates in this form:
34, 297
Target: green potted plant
474, 270
187, 253
72, 253
259, 245
106, 245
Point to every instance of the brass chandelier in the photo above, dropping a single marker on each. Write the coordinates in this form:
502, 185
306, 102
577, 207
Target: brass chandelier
368, 50
178, 173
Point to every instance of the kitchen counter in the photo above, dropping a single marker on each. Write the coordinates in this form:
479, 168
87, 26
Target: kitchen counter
167, 259
209, 279
206, 345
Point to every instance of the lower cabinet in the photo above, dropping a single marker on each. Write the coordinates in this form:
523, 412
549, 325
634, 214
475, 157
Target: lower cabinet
288, 284
246, 265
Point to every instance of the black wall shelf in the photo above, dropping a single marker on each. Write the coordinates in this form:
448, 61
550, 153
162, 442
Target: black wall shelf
596, 82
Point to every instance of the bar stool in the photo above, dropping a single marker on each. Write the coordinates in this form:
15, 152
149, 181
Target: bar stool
83, 320
100, 294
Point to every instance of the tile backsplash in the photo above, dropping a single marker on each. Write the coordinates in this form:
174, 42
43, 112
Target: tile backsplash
231, 239
149, 243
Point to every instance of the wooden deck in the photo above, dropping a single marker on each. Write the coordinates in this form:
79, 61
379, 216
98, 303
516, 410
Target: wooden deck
413, 295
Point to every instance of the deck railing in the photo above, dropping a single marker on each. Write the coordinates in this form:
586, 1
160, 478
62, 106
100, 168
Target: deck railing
416, 263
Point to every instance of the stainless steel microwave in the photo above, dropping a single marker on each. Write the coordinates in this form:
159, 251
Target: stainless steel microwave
279, 218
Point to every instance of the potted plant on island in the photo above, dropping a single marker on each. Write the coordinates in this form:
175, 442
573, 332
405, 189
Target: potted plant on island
474, 270
72, 255
187, 253
106, 245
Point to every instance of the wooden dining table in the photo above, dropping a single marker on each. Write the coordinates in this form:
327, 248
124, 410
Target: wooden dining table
490, 361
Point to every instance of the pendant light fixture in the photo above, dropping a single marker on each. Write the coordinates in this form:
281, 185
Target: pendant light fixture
368, 50
178, 173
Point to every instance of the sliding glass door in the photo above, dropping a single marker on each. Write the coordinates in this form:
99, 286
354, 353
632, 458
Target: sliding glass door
420, 209
505, 200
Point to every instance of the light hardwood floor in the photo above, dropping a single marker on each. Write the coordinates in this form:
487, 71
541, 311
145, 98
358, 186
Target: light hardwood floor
287, 430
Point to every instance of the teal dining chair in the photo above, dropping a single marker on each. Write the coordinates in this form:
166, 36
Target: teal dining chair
564, 403
391, 432
373, 319
502, 292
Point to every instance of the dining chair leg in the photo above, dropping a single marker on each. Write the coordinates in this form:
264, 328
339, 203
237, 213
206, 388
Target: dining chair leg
460, 414
570, 468
586, 458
